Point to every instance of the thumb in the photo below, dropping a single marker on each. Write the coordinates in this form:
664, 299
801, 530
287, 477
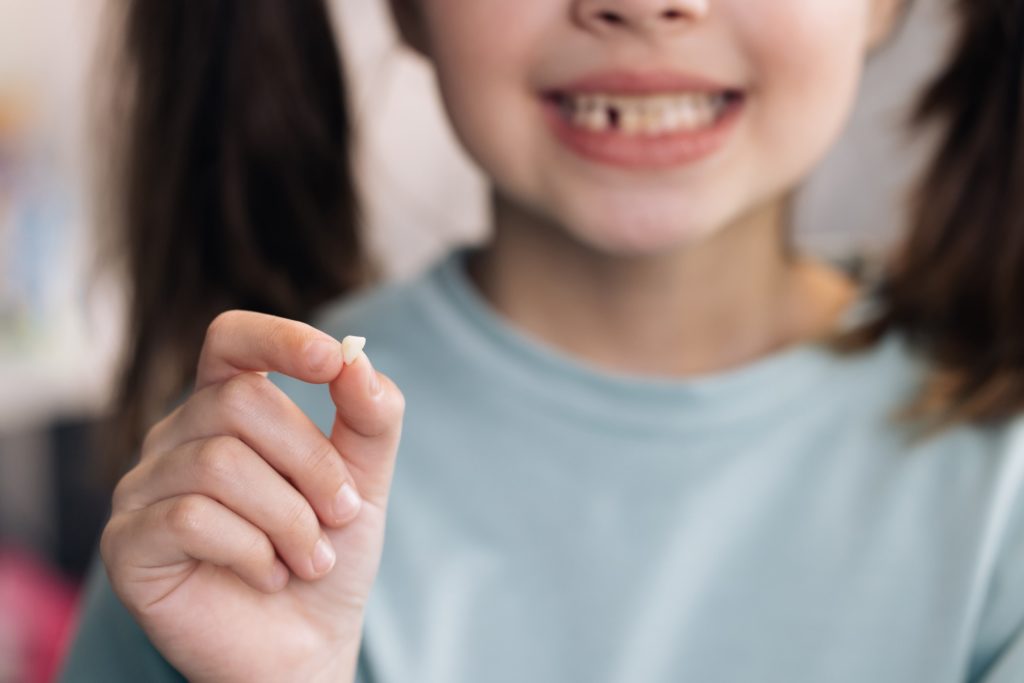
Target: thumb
368, 422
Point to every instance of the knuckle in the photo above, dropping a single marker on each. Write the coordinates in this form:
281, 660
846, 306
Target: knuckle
243, 393
279, 332
298, 519
185, 515
260, 551
221, 326
323, 462
218, 460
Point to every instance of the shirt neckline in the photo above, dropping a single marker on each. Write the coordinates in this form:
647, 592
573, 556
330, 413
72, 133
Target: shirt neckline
760, 390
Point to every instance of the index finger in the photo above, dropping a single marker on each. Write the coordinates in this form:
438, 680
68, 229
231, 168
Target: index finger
244, 341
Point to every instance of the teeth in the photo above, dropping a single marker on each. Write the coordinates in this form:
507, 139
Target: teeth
351, 347
650, 116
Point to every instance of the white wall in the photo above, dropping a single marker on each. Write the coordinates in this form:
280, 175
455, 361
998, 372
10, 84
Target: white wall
56, 341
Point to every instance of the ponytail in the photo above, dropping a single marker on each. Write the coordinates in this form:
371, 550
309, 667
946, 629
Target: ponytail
234, 189
956, 289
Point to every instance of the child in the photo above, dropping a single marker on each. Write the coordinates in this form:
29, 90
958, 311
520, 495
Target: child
634, 450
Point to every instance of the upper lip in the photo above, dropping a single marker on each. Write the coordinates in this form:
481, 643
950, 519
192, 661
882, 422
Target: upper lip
640, 83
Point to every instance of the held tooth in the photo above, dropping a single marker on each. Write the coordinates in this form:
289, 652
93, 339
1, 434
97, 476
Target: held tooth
351, 347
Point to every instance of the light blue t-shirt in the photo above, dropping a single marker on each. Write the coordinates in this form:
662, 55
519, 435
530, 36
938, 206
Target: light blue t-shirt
550, 522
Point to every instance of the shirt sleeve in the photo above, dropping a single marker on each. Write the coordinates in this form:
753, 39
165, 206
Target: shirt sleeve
999, 645
1009, 667
109, 646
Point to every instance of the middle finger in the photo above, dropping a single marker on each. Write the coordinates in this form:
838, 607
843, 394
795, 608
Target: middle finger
251, 408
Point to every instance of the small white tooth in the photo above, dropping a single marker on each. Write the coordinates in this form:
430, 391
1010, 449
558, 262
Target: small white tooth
669, 120
674, 114
351, 346
597, 116
666, 115
597, 119
687, 114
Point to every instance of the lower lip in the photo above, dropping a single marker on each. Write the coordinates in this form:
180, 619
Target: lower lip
663, 151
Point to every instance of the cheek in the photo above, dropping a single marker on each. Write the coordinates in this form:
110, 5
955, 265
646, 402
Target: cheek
807, 57
482, 53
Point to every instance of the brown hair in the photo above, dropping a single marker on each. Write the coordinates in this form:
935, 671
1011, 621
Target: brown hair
956, 288
234, 185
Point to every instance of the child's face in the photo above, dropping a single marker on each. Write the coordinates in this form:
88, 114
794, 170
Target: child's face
641, 125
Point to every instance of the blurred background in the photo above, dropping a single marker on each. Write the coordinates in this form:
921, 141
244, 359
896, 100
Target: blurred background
61, 304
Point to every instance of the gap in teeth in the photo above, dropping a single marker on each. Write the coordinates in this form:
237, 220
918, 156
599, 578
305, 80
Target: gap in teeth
644, 115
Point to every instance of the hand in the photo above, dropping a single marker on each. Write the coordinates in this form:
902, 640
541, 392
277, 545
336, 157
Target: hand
232, 542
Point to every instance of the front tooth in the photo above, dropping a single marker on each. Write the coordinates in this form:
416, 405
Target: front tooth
670, 115
631, 115
687, 113
597, 120
654, 118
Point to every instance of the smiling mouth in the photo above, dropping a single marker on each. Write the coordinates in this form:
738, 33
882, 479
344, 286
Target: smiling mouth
645, 115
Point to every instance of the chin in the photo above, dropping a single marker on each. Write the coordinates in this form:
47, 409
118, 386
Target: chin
640, 230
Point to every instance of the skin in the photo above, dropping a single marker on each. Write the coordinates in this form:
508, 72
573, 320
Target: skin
593, 258
213, 537
212, 540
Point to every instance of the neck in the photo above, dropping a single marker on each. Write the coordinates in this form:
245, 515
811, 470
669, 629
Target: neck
725, 301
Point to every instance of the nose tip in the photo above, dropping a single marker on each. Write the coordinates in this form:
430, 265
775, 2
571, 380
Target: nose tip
646, 16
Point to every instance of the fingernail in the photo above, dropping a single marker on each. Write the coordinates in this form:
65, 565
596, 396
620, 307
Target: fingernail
320, 354
346, 503
323, 556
